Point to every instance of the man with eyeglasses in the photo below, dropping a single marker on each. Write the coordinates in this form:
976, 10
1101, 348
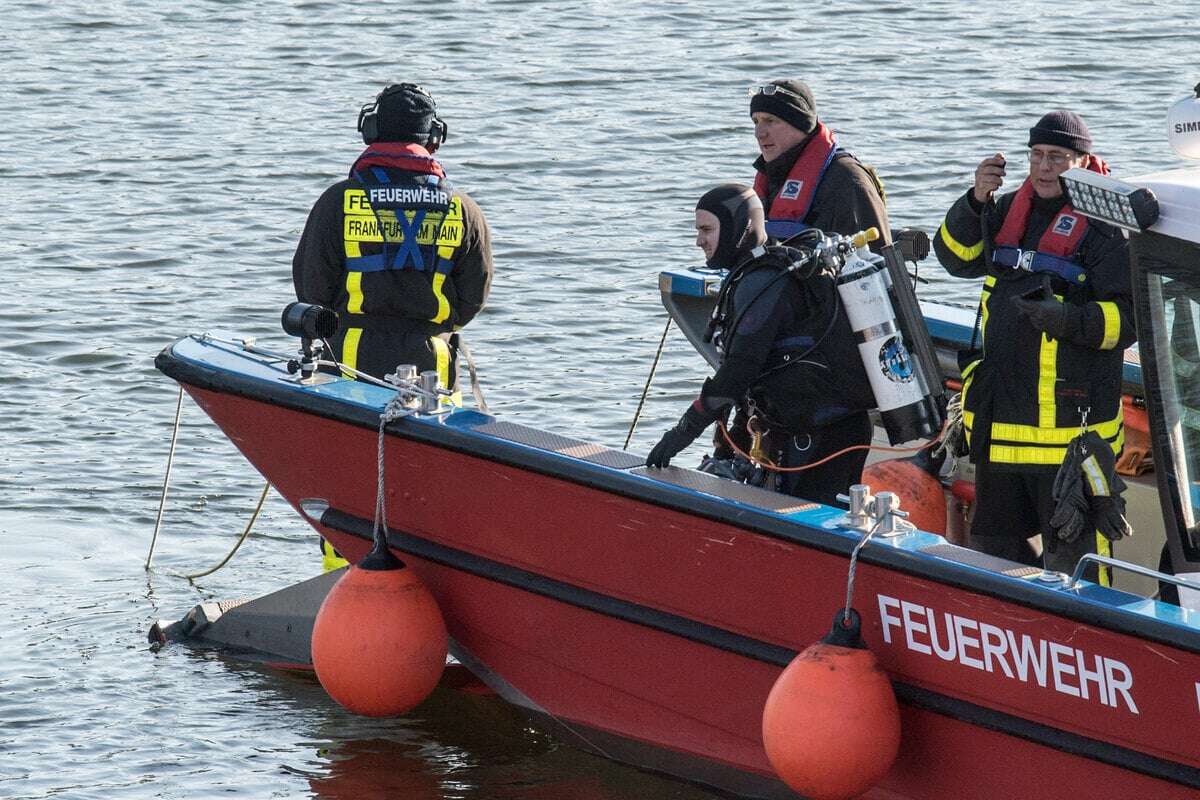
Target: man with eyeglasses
803, 178
402, 256
1057, 316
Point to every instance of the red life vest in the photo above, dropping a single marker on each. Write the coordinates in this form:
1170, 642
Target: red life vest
408, 156
791, 205
1058, 245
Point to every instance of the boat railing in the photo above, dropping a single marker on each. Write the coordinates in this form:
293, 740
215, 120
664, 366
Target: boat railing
1117, 563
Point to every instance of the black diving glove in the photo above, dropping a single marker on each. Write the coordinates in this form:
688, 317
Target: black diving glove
690, 425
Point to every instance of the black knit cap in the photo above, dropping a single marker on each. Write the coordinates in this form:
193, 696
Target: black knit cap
1062, 129
406, 113
740, 213
792, 102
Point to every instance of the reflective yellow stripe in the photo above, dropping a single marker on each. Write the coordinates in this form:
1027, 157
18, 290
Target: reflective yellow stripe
985, 297
1013, 454
1006, 454
1095, 476
1047, 378
1112, 325
441, 351
1104, 548
350, 350
443, 312
451, 233
354, 290
1011, 432
449, 238
354, 201
958, 248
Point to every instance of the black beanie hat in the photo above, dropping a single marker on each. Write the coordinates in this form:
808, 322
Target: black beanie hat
1062, 129
740, 213
792, 101
406, 113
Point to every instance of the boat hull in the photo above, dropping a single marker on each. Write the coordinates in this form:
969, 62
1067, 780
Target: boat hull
649, 612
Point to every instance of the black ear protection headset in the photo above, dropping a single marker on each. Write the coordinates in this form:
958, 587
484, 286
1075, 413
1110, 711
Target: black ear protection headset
368, 117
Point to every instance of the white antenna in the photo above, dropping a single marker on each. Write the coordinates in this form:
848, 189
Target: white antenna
1183, 126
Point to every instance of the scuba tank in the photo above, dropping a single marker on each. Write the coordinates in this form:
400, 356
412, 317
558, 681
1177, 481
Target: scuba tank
898, 379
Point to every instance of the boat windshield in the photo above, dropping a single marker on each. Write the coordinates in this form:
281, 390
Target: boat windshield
1174, 307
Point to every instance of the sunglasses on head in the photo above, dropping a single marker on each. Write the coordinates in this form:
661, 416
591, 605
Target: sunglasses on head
770, 88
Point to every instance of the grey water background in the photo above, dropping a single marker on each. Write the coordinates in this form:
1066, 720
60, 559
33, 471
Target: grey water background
157, 162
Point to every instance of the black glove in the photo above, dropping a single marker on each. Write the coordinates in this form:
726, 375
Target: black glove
1071, 506
690, 425
1046, 314
1108, 517
1104, 487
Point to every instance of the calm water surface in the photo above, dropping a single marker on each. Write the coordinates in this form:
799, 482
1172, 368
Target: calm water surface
156, 167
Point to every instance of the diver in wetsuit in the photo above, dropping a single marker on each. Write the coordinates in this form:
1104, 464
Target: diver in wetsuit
787, 353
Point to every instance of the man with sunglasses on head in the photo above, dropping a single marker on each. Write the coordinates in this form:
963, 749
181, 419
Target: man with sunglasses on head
1057, 317
402, 256
805, 181
803, 178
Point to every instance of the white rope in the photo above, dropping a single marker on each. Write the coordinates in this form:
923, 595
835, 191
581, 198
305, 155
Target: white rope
162, 501
395, 409
854, 566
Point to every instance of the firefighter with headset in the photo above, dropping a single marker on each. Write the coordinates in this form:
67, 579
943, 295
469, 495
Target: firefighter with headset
402, 256
787, 353
1056, 316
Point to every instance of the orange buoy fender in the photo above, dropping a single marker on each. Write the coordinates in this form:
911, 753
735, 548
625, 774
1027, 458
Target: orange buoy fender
920, 493
831, 727
379, 642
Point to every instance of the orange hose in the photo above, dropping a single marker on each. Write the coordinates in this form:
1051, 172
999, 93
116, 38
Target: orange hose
767, 465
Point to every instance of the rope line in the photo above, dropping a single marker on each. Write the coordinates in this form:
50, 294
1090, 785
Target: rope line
249, 526
162, 501
771, 467
653, 368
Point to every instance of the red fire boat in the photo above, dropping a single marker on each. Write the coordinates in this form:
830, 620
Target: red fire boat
644, 614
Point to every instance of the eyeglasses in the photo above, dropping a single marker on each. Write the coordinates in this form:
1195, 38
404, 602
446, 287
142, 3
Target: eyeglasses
770, 88
1053, 160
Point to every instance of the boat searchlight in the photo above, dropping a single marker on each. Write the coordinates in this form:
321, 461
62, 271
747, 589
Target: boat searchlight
1132, 208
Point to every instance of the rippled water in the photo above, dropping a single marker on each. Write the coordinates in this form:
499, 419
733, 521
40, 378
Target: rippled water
156, 167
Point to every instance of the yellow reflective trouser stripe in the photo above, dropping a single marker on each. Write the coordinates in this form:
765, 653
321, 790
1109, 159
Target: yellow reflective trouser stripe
1112, 325
354, 290
443, 311
1014, 454
1012, 432
330, 559
441, 352
1047, 377
1104, 548
958, 248
350, 350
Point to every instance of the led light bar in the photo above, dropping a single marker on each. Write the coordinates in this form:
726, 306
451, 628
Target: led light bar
1101, 197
